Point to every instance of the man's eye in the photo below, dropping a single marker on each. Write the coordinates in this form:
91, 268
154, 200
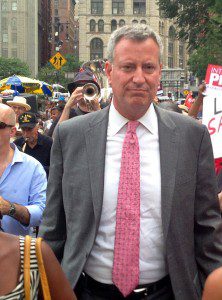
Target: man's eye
149, 68
127, 68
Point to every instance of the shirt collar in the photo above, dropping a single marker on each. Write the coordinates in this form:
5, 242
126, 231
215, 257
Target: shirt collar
117, 121
17, 154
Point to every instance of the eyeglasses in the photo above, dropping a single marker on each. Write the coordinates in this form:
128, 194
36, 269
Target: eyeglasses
4, 125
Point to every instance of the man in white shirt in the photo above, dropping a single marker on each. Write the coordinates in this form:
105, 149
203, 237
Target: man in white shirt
179, 218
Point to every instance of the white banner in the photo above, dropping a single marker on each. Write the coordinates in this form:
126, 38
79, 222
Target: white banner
212, 107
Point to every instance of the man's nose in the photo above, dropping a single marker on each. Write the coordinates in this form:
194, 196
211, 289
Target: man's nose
138, 76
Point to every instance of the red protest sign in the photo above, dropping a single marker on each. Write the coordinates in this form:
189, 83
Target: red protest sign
214, 76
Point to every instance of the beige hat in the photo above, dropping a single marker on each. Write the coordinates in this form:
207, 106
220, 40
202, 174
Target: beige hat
20, 101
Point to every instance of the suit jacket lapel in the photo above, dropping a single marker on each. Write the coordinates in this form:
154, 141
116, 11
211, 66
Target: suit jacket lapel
168, 143
95, 137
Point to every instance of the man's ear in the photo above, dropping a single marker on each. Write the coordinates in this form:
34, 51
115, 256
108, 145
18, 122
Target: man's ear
13, 132
108, 69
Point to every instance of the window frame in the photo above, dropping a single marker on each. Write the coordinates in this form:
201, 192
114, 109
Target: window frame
113, 27
141, 7
14, 2
94, 53
119, 5
97, 7
92, 25
100, 26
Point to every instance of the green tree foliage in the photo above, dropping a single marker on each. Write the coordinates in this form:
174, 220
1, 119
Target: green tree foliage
11, 66
49, 74
199, 22
210, 53
195, 19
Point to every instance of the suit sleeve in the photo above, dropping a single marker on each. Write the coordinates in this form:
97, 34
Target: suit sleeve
53, 226
208, 226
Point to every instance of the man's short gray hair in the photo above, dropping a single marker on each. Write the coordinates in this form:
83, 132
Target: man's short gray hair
139, 32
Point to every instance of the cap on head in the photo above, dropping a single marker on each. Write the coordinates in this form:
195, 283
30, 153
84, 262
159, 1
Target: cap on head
27, 120
19, 101
84, 77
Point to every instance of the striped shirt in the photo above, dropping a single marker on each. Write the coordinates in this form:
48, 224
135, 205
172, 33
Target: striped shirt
19, 293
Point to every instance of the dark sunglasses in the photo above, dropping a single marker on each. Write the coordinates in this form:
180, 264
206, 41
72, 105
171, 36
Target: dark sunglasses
4, 125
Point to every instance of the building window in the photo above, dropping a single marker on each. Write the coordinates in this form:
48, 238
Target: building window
14, 38
14, 5
172, 33
143, 21
170, 48
113, 25
5, 37
96, 49
161, 13
171, 42
139, 7
4, 52
181, 50
4, 23
97, 7
14, 23
170, 62
4, 5
181, 63
92, 25
161, 28
14, 53
118, 7
134, 22
101, 26
121, 23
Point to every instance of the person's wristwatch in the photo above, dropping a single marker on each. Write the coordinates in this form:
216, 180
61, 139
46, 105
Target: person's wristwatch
12, 210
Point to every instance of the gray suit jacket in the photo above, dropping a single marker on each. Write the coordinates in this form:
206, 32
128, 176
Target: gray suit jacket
190, 210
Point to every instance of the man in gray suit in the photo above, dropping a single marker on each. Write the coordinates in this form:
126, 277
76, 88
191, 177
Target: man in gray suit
180, 224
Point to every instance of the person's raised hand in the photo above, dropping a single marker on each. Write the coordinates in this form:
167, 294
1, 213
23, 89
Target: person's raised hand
75, 97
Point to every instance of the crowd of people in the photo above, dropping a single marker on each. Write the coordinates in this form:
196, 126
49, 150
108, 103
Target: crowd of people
126, 193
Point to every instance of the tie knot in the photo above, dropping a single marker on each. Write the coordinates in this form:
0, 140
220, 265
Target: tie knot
132, 125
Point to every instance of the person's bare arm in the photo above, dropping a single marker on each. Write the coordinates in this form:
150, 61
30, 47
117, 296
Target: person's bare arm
59, 286
220, 200
75, 97
194, 109
213, 286
21, 212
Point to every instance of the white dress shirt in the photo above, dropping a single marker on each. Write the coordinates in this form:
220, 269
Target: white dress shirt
152, 251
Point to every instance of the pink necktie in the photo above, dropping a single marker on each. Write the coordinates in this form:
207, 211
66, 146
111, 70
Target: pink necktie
127, 236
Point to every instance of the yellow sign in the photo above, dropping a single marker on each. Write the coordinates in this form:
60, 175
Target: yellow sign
186, 92
57, 61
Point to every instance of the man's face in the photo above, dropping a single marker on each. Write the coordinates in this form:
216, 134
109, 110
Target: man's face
30, 134
7, 130
134, 76
18, 110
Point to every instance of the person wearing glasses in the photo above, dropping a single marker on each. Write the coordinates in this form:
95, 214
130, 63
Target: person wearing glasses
22, 181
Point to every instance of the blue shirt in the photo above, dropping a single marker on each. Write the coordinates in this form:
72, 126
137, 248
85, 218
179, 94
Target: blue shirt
23, 182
